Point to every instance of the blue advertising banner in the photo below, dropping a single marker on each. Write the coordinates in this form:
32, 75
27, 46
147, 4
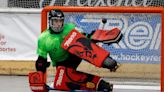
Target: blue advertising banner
141, 42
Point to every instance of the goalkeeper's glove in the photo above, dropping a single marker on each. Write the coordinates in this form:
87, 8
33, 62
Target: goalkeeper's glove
106, 36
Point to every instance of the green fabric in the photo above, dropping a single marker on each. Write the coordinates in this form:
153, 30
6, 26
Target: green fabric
51, 44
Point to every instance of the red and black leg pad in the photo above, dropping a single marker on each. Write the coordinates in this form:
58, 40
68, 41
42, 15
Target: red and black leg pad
70, 79
107, 36
37, 82
79, 45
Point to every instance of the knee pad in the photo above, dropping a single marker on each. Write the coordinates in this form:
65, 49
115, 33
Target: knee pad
70, 79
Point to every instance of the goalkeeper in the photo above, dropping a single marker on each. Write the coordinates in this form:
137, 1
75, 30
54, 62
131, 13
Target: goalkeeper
67, 77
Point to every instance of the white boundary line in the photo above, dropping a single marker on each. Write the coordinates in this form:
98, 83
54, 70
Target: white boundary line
135, 83
139, 87
20, 10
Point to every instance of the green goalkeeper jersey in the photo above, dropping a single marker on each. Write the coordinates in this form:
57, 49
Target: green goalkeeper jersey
51, 44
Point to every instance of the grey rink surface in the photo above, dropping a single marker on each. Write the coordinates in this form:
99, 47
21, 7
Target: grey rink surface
20, 84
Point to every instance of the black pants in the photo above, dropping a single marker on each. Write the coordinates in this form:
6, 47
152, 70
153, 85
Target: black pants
72, 62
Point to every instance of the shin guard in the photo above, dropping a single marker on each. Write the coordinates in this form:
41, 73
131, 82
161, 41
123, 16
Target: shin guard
79, 45
104, 86
70, 79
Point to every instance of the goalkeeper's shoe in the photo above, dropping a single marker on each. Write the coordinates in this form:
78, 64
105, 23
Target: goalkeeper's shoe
105, 86
110, 64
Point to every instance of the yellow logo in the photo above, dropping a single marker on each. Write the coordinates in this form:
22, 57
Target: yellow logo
90, 85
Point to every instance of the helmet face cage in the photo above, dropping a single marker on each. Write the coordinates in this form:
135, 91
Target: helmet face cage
56, 15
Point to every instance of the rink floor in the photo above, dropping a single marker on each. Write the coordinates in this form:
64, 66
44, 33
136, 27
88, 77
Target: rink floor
20, 84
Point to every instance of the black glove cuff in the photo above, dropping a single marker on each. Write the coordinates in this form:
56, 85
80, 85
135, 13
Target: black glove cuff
41, 64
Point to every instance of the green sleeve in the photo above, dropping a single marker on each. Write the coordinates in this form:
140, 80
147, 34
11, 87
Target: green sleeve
41, 50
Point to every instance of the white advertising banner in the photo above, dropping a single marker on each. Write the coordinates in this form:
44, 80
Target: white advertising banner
18, 36
141, 42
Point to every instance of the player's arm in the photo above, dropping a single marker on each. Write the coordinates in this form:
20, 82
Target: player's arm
41, 63
39, 85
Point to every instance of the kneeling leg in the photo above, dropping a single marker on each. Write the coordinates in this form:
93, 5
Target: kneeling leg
70, 79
